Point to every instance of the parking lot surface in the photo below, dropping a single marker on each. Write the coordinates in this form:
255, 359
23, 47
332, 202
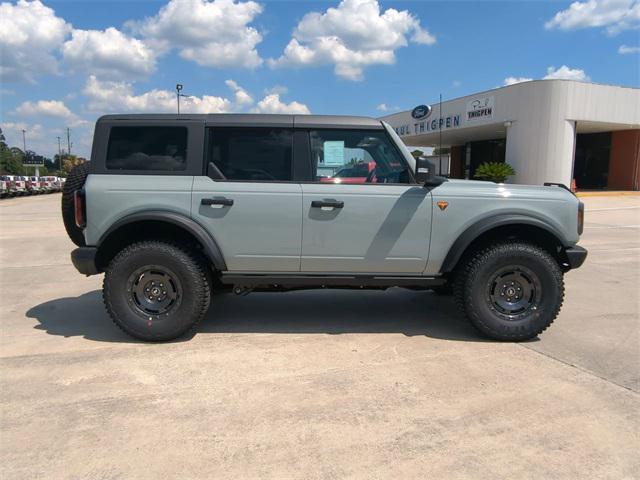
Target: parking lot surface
319, 384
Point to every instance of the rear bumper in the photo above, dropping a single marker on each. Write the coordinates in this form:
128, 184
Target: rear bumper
575, 256
84, 259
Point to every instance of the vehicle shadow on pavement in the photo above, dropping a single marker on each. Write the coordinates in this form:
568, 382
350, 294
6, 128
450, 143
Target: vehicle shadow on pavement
340, 311
319, 311
83, 316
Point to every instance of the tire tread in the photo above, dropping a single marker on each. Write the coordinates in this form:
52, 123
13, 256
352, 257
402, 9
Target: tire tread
463, 282
191, 262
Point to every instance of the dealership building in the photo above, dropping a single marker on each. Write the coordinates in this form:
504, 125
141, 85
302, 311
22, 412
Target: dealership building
547, 130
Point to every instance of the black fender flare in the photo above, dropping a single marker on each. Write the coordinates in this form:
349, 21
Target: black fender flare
210, 246
481, 226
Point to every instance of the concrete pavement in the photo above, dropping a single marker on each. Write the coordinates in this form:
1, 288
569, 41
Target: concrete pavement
323, 384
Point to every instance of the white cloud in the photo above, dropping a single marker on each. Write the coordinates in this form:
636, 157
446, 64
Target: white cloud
241, 95
614, 15
626, 50
49, 108
13, 130
562, 73
513, 80
111, 96
35, 135
211, 33
383, 107
566, 73
272, 104
109, 54
456, 83
30, 34
352, 36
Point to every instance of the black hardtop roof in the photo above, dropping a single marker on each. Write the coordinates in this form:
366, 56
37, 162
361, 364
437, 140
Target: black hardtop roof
253, 119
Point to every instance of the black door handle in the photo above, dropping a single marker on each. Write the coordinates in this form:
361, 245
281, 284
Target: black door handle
327, 203
226, 202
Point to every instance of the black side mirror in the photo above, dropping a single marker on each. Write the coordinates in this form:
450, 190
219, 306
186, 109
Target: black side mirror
425, 170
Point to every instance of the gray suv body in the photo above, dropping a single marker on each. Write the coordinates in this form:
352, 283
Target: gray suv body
174, 208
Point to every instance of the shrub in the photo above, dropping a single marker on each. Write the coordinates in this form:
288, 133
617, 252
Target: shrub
494, 172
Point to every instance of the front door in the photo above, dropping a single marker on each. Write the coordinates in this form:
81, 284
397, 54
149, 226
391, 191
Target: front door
248, 202
363, 213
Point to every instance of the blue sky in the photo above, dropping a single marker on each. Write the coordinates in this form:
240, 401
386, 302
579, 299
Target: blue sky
66, 63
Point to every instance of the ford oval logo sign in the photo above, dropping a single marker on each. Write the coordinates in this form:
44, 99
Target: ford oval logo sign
421, 111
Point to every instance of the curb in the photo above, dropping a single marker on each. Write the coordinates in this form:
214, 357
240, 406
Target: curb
608, 194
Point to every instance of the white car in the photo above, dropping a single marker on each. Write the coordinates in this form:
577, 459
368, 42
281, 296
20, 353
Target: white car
18, 184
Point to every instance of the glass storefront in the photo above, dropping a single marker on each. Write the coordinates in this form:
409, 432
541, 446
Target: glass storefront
591, 163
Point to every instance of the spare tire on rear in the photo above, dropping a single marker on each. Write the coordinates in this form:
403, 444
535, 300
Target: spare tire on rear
75, 181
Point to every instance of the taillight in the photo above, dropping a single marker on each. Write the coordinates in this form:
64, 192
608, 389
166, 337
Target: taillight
580, 218
78, 208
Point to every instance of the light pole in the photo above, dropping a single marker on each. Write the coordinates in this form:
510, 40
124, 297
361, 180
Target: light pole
59, 155
178, 95
24, 141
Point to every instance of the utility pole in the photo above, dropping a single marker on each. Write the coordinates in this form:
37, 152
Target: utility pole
59, 154
68, 141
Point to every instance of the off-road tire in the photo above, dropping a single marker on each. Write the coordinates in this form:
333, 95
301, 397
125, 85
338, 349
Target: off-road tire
123, 306
75, 181
476, 288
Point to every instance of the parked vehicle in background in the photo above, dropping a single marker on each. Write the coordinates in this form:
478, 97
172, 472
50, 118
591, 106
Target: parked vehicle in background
51, 184
363, 172
19, 184
172, 208
34, 185
5, 187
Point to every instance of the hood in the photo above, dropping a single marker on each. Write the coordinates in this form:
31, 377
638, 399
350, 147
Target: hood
481, 188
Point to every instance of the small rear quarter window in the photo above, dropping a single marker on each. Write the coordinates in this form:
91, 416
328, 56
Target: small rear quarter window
147, 148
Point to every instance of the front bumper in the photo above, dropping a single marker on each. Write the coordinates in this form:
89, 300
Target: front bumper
84, 259
575, 256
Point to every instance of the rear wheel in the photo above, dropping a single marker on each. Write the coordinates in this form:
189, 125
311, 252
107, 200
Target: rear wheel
510, 291
156, 291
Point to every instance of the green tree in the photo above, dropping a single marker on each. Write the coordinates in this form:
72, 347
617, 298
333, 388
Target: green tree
70, 161
494, 172
417, 153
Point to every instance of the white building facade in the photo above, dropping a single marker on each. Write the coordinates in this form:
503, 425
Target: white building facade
547, 130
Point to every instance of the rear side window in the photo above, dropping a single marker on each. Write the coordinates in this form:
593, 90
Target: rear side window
147, 148
252, 154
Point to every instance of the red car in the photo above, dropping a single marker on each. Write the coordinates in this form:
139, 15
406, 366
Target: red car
358, 173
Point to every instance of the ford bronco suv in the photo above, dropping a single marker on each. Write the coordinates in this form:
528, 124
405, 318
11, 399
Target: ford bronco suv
176, 208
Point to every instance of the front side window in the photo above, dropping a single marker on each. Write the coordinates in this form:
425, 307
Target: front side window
147, 148
356, 156
252, 154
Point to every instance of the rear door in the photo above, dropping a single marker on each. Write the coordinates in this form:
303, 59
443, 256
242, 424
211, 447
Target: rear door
248, 200
380, 223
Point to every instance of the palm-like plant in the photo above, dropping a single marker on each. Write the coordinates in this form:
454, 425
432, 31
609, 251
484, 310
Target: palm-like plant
494, 171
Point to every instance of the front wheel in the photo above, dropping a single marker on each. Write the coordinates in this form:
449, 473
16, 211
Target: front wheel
510, 291
156, 291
